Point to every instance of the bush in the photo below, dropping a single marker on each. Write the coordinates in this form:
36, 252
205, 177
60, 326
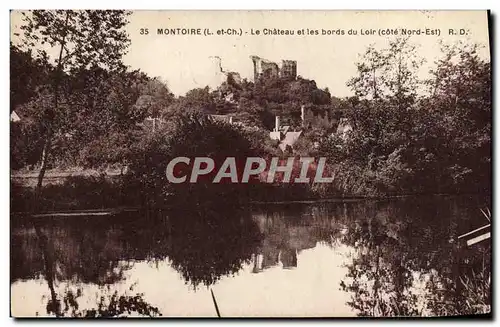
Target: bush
194, 136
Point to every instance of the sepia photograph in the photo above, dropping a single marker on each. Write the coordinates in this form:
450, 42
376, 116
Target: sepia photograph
250, 164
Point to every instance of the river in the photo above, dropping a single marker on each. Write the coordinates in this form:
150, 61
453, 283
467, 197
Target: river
398, 257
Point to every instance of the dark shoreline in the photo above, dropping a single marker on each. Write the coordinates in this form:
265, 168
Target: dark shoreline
112, 211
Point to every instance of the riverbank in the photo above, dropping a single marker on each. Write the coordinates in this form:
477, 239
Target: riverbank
90, 190
29, 178
69, 192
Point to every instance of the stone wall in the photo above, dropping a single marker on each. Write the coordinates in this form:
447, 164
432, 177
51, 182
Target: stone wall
316, 119
288, 69
263, 68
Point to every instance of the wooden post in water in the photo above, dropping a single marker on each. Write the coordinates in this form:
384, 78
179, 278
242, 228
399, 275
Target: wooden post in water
215, 303
477, 238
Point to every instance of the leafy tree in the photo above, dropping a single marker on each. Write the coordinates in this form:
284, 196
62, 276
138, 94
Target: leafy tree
202, 259
460, 105
26, 75
405, 143
107, 116
81, 39
257, 104
252, 114
372, 159
155, 97
194, 136
196, 101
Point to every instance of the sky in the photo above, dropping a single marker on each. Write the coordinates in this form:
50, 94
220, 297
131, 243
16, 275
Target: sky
184, 61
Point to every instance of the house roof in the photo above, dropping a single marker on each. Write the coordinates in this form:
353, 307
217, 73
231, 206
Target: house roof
14, 117
290, 139
222, 118
344, 126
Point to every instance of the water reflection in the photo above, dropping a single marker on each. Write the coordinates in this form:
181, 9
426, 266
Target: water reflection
287, 231
397, 258
410, 263
206, 246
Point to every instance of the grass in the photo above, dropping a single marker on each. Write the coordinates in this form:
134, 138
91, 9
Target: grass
477, 292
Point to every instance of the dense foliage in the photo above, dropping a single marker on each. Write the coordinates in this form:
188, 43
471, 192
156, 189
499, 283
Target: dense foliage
408, 135
403, 142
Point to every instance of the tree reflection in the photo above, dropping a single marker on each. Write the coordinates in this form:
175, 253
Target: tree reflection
202, 246
380, 279
408, 262
87, 251
208, 245
108, 305
103, 268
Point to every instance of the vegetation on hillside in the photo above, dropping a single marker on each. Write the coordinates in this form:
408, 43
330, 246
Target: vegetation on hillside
408, 135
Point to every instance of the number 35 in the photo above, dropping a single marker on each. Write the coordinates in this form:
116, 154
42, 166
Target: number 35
144, 31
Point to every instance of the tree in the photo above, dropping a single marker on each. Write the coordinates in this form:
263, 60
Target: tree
106, 112
197, 100
195, 135
461, 107
406, 141
26, 74
82, 39
155, 98
373, 159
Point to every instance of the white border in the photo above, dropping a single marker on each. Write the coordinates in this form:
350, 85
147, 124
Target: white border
199, 4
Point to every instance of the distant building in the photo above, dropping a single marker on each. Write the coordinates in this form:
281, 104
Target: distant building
152, 123
344, 128
283, 134
324, 119
288, 138
232, 78
14, 117
263, 68
222, 118
288, 69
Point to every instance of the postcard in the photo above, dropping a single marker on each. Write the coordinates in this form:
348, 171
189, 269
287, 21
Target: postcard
271, 164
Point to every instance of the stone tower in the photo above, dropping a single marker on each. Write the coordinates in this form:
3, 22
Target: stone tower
288, 69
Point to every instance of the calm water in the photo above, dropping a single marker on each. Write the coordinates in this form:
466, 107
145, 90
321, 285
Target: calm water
398, 257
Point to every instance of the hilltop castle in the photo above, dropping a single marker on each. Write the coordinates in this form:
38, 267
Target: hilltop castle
263, 68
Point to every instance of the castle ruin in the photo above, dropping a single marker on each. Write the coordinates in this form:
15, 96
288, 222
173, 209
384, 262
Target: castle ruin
263, 68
